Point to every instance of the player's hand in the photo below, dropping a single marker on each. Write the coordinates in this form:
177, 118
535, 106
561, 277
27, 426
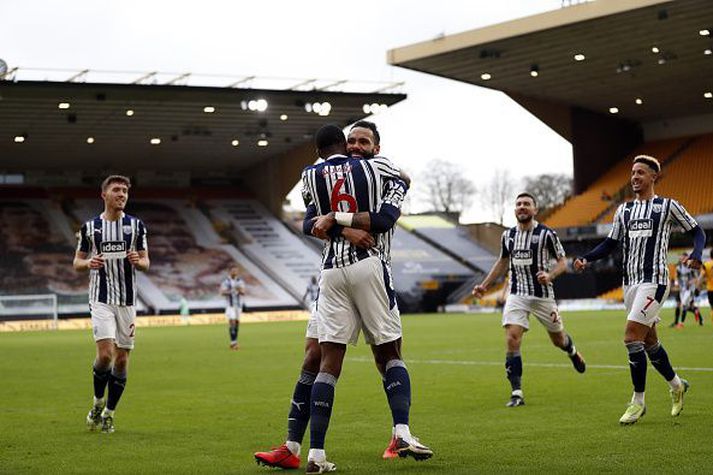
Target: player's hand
543, 277
692, 263
96, 262
133, 257
359, 237
579, 264
479, 290
322, 225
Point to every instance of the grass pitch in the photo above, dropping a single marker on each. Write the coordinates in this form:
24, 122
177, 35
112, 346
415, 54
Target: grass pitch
193, 406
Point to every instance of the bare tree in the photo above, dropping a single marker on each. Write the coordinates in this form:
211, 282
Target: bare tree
498, 194
550, 190
445, 189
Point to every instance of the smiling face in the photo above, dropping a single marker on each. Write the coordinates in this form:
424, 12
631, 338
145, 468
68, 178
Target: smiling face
115, 196
361, 142
642, 178
525, 209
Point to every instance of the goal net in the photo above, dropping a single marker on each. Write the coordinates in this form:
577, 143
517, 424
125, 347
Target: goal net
29, 307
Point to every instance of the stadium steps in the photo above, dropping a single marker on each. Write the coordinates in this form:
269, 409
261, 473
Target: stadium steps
616, 294
625, 191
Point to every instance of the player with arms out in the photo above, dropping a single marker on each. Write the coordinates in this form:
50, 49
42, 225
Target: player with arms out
643, 227
112, 246
233, 289
528, 250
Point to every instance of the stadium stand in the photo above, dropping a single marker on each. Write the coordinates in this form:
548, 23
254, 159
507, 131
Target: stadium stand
288, 259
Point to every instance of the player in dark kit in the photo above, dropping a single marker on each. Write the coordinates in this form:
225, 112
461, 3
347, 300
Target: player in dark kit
111, 247
643, 227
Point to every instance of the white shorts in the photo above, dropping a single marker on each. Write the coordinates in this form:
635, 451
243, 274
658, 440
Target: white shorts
519, 307
355, 298
115, 322
644, 301
312, 326
687, 296
233, 313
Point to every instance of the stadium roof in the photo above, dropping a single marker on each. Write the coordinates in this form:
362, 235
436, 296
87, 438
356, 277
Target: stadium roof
50, 124
656, 51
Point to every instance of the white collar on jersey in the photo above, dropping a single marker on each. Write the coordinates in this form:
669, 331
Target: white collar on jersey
636, 200
533, 225
120, 218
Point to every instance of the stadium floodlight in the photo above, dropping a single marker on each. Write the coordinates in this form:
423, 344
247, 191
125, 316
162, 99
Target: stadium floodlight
90, 140
708, 95
534, 70
209, 109
283, 117
655, 50
308, 107
155, 141
486, 76
639, 101
63, 105
252, 105
374, 108
20, 138
261, 105
579, 57
366, 108
383, 107
262, 143
704, 32
708, 52
129, 112
325, 109
613, 110
235, 142
317, 107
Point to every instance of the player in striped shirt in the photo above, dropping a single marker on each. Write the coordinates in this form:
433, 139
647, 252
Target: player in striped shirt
528, 250
233, 289
643, 227
111, 247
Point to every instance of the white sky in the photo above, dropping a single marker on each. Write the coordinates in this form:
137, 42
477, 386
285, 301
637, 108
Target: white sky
475, 127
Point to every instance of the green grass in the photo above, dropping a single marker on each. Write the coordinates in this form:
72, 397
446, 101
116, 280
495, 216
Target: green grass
192, 406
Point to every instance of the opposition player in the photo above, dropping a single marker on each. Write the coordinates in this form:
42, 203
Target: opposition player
708, 272
111, 247
233, 289
528, 250
687, 280
643, 227
363, 143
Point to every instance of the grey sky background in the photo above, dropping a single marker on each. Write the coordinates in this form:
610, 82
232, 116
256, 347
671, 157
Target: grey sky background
474, 127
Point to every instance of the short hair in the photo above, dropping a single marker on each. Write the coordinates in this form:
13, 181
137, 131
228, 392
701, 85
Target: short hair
115, 179
329, 135
711, 253
365, 124
650, 161
528, 195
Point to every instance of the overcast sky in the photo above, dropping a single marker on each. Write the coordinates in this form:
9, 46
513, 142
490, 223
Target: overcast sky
475, 127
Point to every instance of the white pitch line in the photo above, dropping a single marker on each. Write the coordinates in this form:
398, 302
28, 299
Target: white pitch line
500, 363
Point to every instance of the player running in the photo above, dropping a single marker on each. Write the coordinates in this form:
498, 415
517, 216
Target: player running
528, 250
643, 227
111, 247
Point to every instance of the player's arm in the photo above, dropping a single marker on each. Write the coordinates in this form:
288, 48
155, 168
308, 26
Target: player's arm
607, 246
556, 250
679, 215
241, 288
82, 262
497, 271
139, 258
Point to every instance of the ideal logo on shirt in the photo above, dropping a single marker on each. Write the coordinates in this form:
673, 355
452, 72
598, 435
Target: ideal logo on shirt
113, 249
522, 257
639, 228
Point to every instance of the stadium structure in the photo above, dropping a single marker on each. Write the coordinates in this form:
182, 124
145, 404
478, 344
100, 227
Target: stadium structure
614, 78
212, 163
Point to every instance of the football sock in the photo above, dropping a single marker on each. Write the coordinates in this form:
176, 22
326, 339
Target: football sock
322, 399
678, 315
569, 347
659, 360
299, 408
117, 383
683, 315
637, 365
513, 369
101, 378
398, 391
233, 334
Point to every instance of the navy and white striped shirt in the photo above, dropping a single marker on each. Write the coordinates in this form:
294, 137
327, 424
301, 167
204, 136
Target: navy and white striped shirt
644, 228
353, 185
530, 251
232, 288
115, 283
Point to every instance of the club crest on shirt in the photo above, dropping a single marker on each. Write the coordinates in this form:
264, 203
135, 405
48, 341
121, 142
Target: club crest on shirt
639, 228
657, 207
535, 239
522, 257
126, 229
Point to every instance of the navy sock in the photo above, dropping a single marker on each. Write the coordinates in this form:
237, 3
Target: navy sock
397, 385
233, 334
678, 314
513, 369
299, 407
568, 345
321, 408
683, 315
101, 378
637, 365
659, 360
117, 383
